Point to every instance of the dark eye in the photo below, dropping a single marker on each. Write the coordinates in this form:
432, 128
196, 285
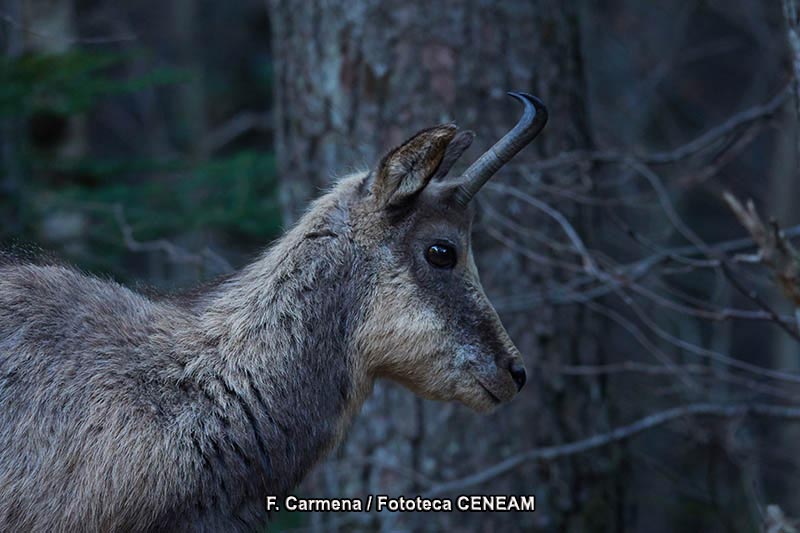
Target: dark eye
441, 255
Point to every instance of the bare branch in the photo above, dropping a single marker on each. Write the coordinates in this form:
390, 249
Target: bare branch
572, 293
552, 453
234, 127
747, 117
703, 371
704, 352
777, 522
646, 343
176, 254
588, 262
776, 251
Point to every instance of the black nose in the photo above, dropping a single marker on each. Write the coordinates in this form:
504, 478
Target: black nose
518, 374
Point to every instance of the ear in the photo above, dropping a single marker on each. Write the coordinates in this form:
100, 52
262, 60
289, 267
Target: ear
407, 169
457, 146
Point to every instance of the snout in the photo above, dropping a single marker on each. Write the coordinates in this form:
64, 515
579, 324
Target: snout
507, 377
518, 374
496, 368
496, 380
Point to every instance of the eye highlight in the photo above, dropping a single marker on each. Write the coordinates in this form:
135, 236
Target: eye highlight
441, 255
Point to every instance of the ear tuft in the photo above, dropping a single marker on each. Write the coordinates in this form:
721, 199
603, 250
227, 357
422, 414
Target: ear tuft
407, 169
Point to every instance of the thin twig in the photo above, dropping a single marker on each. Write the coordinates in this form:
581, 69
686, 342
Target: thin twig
588, 262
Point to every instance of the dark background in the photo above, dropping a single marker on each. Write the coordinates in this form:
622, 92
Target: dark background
165, 143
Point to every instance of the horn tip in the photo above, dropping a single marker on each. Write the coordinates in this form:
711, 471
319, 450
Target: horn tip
527, 97
527, 100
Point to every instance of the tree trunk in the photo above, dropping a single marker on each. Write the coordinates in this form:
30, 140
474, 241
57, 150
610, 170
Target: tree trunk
354, 79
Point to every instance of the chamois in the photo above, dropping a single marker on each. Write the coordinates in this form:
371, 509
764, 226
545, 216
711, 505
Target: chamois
121, 412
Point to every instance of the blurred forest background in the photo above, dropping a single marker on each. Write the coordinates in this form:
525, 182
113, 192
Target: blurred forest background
165, 143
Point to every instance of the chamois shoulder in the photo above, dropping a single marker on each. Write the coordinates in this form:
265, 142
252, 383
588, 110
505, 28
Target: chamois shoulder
60, 284
60, 300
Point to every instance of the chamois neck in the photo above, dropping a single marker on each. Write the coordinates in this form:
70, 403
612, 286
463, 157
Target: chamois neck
280, 355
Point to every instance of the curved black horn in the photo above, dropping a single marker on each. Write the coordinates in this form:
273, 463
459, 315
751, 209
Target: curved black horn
533, 120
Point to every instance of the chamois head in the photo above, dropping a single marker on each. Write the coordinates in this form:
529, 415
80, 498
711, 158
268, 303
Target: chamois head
428, 323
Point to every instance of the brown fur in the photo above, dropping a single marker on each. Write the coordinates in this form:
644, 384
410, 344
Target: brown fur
120, 412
